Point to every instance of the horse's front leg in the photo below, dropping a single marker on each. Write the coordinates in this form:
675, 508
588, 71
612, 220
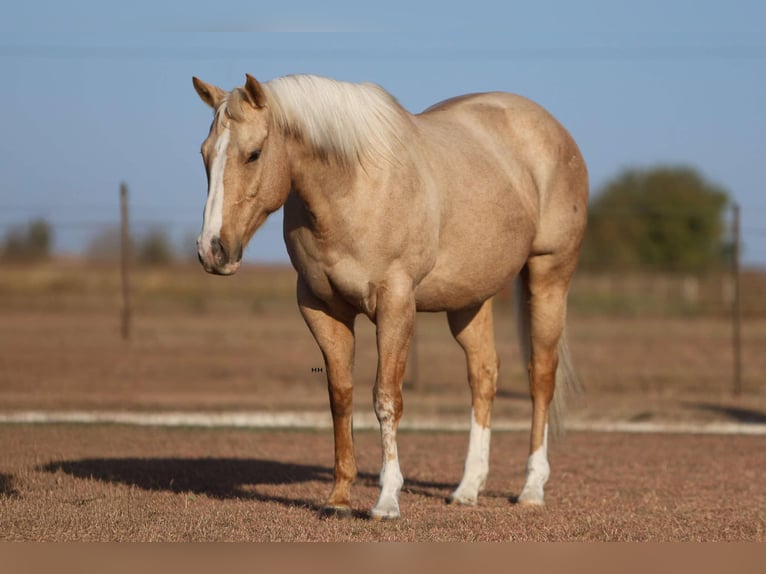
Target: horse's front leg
394, 318
334, 332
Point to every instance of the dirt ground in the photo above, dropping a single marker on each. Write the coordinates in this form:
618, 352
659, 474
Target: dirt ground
110, 483
633, 369
117, 483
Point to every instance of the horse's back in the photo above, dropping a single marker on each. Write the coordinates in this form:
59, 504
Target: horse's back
522, 145
507, 120
511, 182
482, 101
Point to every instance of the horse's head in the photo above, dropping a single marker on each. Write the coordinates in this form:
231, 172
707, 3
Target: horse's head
247, 172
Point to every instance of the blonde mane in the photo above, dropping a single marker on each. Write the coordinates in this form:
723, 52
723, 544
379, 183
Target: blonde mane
351, 122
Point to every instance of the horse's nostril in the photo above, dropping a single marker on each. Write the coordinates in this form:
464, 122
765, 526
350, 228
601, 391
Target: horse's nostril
219, 253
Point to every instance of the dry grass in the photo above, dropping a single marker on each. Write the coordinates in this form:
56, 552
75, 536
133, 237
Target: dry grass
76, 285
121, 484
247, 347
68, 359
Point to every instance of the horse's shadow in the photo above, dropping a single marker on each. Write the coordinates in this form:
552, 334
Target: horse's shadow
221, 478
7, 488
739, 414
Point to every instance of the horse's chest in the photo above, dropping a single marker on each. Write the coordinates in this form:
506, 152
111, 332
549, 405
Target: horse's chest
349, 282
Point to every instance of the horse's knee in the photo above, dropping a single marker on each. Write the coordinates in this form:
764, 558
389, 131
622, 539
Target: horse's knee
388, 404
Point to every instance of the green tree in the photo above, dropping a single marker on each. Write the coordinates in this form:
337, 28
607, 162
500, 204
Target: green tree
30, 243
667, 218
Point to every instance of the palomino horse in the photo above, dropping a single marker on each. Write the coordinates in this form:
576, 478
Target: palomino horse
389, 213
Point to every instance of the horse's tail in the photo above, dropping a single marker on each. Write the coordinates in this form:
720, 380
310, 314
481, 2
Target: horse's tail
567, 383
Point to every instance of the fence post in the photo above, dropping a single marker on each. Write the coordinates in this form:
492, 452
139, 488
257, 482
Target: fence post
125, 262
736, 304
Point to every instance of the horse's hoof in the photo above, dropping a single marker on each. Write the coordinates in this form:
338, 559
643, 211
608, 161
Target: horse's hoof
462, 500
335, 512
380, 515
529, 501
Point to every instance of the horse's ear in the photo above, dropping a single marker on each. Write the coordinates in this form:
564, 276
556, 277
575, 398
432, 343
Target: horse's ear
210, 94
254, 91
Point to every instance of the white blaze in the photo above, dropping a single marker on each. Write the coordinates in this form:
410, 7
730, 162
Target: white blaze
213, 219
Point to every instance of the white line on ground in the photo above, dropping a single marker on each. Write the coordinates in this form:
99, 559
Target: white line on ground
322, 420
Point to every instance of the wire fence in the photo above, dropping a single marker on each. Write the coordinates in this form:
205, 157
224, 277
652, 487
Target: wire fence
635, 289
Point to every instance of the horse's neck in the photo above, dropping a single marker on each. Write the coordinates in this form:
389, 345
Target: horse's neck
322, 186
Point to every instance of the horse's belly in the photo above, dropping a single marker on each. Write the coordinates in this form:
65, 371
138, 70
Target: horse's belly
453, 289
476, 261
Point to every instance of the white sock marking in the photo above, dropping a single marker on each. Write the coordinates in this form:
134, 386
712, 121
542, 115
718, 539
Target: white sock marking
476, 464
538, 471
391, 479
213, 219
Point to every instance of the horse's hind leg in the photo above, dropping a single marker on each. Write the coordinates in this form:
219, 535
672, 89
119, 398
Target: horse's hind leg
335, 337
474, 331
544, 284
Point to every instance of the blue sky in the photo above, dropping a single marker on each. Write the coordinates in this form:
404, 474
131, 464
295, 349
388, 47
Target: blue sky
94, 93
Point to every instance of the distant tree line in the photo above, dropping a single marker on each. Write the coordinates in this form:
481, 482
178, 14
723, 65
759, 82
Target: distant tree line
153, 247
33, 242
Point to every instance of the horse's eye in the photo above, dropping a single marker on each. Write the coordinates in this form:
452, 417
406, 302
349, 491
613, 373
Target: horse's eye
254, 156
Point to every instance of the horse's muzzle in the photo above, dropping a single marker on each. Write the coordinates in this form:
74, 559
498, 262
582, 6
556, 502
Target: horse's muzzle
219, 260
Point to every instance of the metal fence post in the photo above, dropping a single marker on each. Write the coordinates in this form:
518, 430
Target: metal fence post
736, 304
125, 262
